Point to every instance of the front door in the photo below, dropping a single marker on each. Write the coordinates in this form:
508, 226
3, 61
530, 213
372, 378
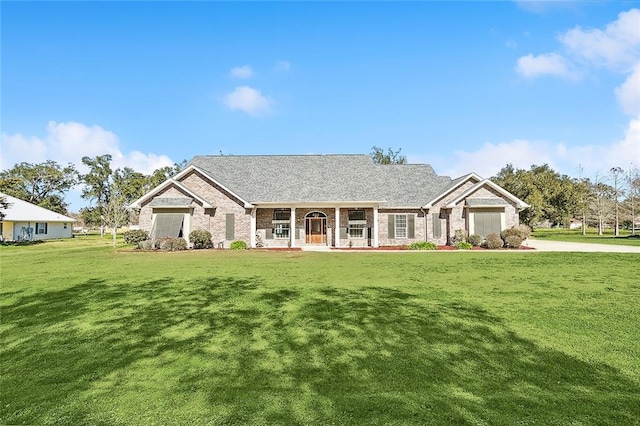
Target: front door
316, 230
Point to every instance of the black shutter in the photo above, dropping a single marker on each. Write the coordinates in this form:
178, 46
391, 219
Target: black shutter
230, 235
392, 226
437, 225
411, 226
343, 233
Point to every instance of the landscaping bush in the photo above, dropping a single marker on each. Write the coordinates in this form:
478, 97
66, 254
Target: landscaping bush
422, 245
475, 240
494, 241
200, 239
238, 245
463, 245
135, 236
513, 241
146, 245
171, 244
525, 231
460, 235
521, 231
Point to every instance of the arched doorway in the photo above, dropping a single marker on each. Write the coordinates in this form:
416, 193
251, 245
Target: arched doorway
316, 228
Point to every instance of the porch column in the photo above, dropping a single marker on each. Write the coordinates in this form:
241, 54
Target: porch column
337, 238
375, 227
292, 227
253, 229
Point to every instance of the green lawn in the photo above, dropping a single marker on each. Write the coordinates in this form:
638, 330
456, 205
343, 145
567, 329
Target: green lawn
93, 336
575, 236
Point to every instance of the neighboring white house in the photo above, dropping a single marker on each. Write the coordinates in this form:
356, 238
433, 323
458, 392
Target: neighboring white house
25, 221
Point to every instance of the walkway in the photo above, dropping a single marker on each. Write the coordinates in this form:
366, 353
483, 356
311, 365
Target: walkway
544, 245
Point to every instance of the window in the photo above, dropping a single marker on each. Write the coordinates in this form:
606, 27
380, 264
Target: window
356, 231
357, 223
282, 215
401, 226
41, 228
356, 215
281, 230
65, 225
281, 223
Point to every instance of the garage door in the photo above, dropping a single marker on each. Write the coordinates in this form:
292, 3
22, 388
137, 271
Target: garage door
485, 223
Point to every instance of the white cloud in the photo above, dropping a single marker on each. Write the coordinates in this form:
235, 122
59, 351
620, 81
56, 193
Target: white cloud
68, 142
531, 66
282, 66
243, 72
491, 157
628, 93
249, 100
618, 45
511, 43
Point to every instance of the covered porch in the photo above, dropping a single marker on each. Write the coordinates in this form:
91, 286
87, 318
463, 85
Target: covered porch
300, 225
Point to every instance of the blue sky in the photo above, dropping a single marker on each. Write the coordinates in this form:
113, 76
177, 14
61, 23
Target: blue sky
464, 86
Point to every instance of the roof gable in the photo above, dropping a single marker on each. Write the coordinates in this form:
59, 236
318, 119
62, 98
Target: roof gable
167, 183
452, 186
519, 203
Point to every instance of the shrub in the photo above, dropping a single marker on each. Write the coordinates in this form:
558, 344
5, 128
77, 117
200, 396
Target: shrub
146, 245
463, 245
475, 240
135, 236
238, 245
459, 236
171, 244
525, 231
422, 245
521, 231
200, 239
494, 241
513, 241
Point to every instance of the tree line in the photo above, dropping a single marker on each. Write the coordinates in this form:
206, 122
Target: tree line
109, 190
603, 200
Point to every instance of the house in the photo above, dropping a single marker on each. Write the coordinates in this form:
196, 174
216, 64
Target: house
25, 221
329, 200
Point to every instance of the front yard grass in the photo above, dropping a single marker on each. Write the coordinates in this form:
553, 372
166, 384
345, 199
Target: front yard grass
575, 236
89, 335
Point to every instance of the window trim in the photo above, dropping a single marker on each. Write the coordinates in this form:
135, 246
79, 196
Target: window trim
282, 225
397, 227
358, 226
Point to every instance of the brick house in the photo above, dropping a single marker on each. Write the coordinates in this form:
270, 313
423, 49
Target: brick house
330, 200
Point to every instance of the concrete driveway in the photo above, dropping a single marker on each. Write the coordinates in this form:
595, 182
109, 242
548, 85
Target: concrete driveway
543, 245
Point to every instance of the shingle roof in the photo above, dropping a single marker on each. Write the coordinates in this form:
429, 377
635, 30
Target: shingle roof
323, 178
171, 202
23, 211
480, 202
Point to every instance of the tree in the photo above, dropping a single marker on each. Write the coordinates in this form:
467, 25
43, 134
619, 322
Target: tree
4, 204
164, 173
98, 182
43, 184
633, 186
551, 196
115, 214
617, 178
390, 157
602, 203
